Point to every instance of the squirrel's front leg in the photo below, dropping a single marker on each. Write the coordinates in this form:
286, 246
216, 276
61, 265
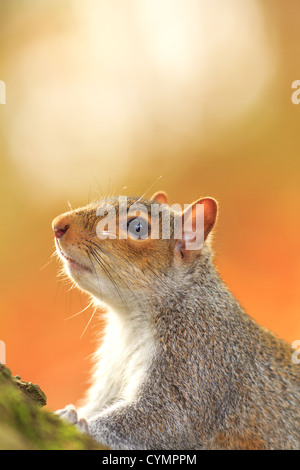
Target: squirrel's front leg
112, 427
135, 426
120, 428
141, 426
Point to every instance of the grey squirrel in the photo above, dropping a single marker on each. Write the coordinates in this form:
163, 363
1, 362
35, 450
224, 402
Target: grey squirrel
181, 366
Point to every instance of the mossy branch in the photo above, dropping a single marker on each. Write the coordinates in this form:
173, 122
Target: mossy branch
24, 425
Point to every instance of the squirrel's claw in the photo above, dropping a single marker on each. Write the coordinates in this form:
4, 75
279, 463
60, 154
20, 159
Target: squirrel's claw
69, 414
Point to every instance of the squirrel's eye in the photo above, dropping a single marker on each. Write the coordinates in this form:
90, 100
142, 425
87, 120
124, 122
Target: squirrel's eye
138, 228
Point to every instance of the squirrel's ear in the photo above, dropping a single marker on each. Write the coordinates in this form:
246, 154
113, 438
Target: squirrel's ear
160, 197
210, 214
191, 240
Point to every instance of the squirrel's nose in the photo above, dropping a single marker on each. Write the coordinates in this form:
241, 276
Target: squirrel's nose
60, 225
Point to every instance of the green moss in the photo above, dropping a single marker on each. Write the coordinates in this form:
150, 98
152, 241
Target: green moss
25, 425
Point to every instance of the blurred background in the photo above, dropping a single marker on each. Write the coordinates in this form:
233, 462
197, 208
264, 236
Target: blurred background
107, 96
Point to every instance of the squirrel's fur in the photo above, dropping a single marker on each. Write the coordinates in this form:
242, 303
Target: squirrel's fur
182, 366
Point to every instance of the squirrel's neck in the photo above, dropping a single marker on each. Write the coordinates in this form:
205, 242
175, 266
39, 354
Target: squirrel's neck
197, 288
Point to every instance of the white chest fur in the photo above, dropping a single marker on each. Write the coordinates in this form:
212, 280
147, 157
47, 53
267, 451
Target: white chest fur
122, 362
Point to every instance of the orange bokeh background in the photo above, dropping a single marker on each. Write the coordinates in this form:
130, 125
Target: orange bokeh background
103, 95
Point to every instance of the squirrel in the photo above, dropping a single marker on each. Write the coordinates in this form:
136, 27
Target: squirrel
181, 365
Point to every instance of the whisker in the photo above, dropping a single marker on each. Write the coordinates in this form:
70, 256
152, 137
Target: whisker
98, 184
109, 185
149, 188
89, 195
88, 253
81, 311
109, 267
46, 264
105, 266
71, 287
106, 263
89, 322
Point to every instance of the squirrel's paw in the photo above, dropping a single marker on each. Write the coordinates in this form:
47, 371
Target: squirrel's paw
69, 414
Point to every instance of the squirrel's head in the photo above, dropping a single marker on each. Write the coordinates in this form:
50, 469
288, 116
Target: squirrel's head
127, 249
